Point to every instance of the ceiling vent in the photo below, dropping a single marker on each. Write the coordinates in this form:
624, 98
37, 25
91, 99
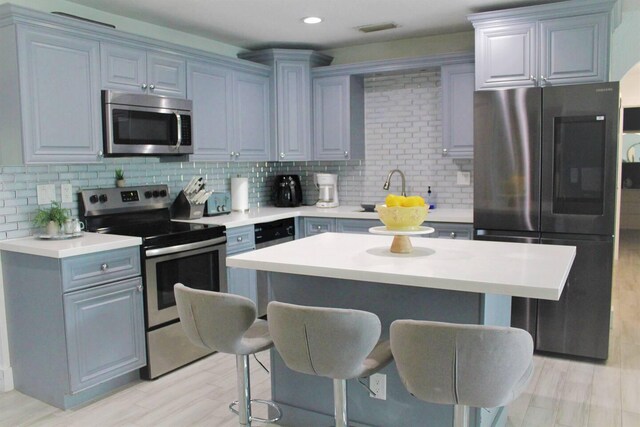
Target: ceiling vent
372, 28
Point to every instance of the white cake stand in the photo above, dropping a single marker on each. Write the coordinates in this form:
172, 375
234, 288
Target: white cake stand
401, 243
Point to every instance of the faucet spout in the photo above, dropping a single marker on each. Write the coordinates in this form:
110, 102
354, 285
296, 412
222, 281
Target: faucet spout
387, 183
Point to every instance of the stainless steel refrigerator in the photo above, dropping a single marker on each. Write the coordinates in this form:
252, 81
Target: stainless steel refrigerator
545, 164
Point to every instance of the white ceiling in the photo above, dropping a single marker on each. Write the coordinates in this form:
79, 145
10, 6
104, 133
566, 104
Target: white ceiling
254, 24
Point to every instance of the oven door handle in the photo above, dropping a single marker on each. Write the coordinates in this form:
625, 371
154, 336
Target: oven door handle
184, 247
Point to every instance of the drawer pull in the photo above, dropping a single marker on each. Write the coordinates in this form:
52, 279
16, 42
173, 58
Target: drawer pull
239, 239
453, 235
319, 227
139, 288
104, 267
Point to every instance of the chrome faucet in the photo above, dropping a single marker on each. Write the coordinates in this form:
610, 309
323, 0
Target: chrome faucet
388, 181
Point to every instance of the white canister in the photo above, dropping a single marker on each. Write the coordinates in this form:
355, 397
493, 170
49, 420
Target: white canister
240, 194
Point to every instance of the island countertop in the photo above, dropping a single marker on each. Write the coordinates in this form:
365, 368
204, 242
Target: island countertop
515, 269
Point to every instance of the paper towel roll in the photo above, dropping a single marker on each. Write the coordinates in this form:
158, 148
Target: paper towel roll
240, 194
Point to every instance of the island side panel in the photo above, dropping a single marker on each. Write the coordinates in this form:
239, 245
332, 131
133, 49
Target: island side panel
305, 397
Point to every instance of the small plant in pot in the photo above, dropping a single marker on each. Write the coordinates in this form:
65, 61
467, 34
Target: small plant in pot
120, 182
51, 218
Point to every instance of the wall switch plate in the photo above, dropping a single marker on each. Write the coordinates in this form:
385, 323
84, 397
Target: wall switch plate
66, 193
378, 385
46, 193
464, 178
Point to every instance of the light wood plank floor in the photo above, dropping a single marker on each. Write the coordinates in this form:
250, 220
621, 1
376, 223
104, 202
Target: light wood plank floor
562, 393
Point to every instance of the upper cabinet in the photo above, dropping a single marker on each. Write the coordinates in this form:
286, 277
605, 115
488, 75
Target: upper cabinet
457, 110
554, 44
251, 114
50, 107
290, 98
338, 118
139, 70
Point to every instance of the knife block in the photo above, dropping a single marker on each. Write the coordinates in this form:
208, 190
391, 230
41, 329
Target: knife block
183, 209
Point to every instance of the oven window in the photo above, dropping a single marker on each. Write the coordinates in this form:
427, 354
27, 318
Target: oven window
200, 271
579, 159
132, 127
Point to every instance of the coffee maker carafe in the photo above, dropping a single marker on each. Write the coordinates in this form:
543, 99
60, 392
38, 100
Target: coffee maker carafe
327, 184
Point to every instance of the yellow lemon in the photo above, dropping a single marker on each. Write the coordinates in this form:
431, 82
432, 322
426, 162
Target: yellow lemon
413, 201
392, 200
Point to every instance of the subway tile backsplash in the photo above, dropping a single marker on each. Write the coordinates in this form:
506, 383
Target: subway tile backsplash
403, 130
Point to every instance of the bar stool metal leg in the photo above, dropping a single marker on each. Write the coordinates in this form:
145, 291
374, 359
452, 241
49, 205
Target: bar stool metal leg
460, 416
340, 402
244, 389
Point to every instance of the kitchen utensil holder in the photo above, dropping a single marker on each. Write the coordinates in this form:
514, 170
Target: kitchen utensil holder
182, 208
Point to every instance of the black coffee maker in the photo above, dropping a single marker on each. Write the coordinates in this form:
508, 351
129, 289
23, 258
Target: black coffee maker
287, 191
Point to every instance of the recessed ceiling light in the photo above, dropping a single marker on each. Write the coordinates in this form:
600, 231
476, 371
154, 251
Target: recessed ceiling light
312, 20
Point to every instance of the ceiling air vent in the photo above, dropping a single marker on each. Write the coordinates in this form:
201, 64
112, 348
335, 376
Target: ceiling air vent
372, 28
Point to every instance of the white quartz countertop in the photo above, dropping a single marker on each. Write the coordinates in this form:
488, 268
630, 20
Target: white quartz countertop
515, 269
266, 214
88, 243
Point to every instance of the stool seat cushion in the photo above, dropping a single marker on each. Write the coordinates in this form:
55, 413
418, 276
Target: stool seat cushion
221, 322
329, 342
474, 365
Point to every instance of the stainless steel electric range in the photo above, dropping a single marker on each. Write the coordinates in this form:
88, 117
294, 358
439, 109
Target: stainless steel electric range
171, 252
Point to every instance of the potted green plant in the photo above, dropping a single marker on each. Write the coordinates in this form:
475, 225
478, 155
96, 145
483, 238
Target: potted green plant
51, 218
120, 182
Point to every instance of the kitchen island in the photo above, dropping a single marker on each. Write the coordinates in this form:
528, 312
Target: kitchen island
445, 280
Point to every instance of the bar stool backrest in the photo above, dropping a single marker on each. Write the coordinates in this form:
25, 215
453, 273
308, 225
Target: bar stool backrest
214, 320
328, 342
472, 365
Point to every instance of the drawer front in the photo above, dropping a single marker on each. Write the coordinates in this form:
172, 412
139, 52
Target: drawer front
360, 226
319, 225
240, 239
101, 267
451, 231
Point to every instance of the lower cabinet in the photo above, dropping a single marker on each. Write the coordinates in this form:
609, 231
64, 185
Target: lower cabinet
71, 343
105, 332
241, 281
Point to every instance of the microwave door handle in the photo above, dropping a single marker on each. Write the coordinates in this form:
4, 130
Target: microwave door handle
179, 126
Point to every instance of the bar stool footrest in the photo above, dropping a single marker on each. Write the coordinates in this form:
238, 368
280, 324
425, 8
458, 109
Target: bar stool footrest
269, 403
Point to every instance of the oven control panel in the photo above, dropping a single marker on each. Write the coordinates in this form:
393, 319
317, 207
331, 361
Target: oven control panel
102, 201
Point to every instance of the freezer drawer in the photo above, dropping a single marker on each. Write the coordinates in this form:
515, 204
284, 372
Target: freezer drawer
578, 324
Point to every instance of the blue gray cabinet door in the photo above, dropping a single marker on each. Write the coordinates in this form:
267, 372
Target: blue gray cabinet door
251, 117
166, 74
293, 103
458, 83
105, 332
506, 56
210, 87
243, 282
60, 97
574, 50
123, 68
338, 118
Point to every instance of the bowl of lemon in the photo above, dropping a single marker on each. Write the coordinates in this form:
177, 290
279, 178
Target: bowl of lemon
400, 213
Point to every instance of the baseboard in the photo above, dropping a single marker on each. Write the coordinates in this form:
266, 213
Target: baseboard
6, 379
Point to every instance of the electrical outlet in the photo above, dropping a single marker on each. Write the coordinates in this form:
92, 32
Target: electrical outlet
463, 178
66, 193
378, 385
46, 193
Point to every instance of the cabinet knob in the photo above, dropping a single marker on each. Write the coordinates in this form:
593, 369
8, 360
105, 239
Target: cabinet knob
104, 267
233, 153
143, 86
152, 87
100, 154
445, 151
544, 79
282, 155
346, 154
319, 227
237, 154
533, 79
453, 235
139, 288
239, 239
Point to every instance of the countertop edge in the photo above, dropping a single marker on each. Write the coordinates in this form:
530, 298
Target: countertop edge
68, 248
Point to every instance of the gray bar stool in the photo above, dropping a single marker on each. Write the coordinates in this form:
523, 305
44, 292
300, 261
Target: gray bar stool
335, 343
462, 365
227, 323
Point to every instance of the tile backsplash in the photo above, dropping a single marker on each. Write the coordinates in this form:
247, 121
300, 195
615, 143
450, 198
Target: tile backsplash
403, 130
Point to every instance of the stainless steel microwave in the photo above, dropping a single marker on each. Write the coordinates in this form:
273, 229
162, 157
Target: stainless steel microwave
151, 125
